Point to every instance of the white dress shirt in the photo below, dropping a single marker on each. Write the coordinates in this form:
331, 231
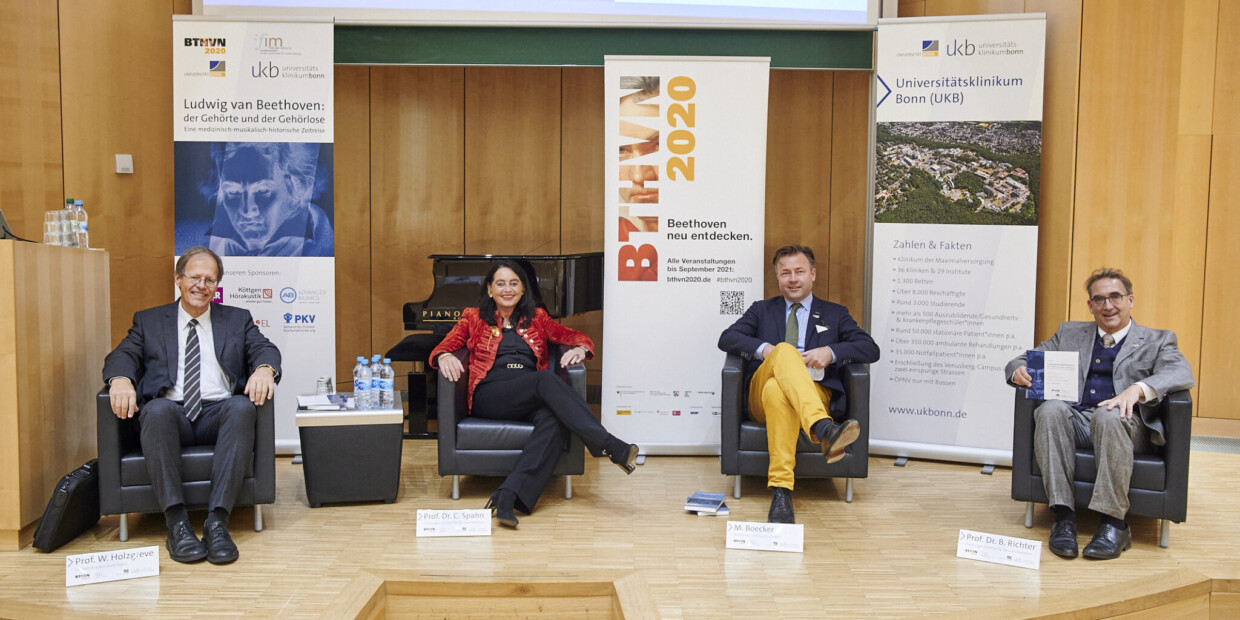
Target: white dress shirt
214, 384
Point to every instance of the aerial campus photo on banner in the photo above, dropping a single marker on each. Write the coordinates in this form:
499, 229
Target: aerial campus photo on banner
944, 172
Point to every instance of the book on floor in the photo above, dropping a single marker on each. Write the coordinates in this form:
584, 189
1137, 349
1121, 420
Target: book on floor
704, 502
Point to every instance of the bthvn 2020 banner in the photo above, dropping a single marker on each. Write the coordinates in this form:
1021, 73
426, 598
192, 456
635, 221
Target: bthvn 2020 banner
959, 143
253, 125
685, 195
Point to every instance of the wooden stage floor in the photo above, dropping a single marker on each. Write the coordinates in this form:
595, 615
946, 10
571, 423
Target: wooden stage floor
890, 553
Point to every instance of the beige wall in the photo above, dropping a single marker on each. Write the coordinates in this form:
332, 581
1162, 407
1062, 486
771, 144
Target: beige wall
1140, 139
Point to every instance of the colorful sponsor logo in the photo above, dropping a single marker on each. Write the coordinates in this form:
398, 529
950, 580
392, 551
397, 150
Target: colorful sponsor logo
624, 412
288, 295
675, 412
930, 48
218, 297
215, 68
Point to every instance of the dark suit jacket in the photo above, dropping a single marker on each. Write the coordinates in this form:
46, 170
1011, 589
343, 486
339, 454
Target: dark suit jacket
147, 356
829, 325
1150, 356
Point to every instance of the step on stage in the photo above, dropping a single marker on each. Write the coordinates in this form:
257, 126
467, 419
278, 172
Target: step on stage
890, 553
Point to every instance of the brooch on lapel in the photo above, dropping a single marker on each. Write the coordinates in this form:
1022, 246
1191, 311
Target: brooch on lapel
495, 332
821, 328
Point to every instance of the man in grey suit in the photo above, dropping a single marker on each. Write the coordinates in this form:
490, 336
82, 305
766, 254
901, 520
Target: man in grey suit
1125, 370
183, 370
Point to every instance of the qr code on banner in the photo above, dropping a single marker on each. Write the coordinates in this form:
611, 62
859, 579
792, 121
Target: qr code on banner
731, 302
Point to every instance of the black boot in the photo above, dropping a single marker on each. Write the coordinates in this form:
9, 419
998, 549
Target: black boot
781, 506
502, 503
622, 454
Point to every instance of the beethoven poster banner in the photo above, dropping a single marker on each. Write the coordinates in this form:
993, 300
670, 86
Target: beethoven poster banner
253, 125
959, 144
685, 195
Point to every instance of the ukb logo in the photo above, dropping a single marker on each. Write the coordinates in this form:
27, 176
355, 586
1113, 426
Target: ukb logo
956, 48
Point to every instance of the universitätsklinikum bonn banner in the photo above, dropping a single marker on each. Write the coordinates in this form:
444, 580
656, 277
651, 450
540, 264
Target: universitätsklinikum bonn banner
957, 169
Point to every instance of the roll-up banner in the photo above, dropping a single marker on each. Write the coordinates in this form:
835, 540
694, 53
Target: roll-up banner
685, 196
959, 144
253, 130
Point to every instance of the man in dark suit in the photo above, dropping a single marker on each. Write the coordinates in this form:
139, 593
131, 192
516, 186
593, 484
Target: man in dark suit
794, 346
183, 370
1124, 370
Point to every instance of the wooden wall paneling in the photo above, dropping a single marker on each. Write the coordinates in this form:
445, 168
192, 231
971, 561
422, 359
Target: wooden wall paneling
850, 159
1057, 187
1138, 180
582, 203
352, 218
512, 160
911, 8
972, 7
108, 110
798, 169
417, 186
1217, 390
31, 175
1227, 72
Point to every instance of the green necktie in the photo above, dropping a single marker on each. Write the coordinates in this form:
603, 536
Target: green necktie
793, 331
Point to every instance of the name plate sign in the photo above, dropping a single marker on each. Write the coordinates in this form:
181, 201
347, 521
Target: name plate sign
434, 523
788, 537
111, 566
999, 549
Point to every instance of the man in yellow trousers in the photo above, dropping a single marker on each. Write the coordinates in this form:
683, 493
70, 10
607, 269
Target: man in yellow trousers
794, 346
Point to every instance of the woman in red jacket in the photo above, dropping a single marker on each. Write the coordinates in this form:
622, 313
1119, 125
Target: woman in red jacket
509, 379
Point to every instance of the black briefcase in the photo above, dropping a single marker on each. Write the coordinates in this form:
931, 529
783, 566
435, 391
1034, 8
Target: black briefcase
73, 509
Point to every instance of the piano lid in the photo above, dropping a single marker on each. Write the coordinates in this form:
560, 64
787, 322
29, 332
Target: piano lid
567, 284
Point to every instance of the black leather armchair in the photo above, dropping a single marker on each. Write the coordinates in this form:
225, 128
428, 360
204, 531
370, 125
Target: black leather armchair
742, 449
1159, 487
470, 446
125, 484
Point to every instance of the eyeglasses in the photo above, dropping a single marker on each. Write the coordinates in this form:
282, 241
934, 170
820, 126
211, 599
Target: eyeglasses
202, 280
1100, 300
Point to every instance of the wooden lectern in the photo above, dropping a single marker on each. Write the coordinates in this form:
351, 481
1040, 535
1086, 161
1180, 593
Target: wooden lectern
54, 333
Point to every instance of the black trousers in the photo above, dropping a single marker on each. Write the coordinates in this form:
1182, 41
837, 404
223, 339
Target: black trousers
228, 423
555, 409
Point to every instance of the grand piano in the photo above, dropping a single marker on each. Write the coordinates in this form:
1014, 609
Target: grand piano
567, 284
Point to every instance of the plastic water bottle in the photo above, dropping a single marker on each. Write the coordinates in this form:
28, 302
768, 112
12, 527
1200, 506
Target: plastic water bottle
81, 233
387, 391
376, 382
361, 384
69, 225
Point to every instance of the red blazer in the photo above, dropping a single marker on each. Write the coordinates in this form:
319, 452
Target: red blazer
482, 341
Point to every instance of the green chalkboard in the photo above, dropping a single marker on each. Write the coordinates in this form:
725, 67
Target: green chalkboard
448, 45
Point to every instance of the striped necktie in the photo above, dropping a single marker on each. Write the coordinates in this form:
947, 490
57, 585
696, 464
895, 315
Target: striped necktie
792, 333
193, 373
1108, 341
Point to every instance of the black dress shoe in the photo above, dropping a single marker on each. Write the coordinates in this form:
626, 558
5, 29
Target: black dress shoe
220, 546
624, 455
781, 506
1063, 539
838, 437
502, 505
183, 545
1108, 542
